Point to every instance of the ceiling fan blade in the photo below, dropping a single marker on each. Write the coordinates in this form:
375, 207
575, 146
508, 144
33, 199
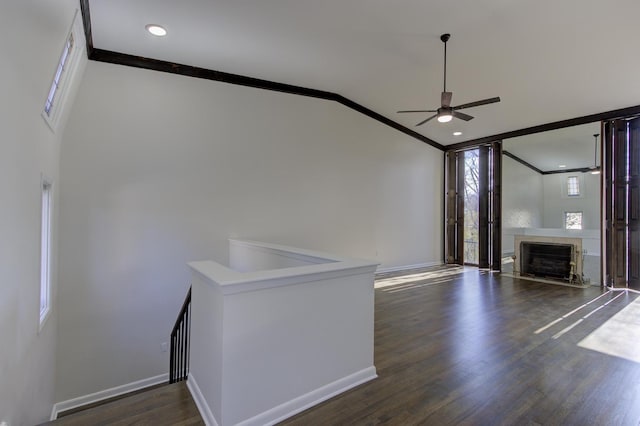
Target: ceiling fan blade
461, 115
418, 110
445, 99
424, 121
478, 103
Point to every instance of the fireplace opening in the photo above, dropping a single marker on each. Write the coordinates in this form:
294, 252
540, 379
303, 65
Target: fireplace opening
546, 260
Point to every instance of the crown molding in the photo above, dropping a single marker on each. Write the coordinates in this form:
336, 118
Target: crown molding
100, 55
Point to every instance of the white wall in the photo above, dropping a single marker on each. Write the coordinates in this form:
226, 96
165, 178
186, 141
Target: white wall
33, 35
556, 201
160, 169
522, 200
295, 329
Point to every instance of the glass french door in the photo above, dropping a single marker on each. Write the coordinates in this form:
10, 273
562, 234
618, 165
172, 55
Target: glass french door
622, 203
472, 228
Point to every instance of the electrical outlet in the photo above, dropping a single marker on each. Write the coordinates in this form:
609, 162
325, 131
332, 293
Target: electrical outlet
163, 347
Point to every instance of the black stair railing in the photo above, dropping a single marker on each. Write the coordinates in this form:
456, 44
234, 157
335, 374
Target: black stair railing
180, 338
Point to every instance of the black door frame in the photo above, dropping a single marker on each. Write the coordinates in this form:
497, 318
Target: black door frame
621, 228
490, 229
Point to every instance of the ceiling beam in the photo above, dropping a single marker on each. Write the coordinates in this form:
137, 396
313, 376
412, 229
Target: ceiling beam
208, 74
86, 24
521, 161
602, 116
108, 56
576, 170
543, 172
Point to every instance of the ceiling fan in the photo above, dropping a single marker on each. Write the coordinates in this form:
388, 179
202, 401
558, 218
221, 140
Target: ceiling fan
446, 112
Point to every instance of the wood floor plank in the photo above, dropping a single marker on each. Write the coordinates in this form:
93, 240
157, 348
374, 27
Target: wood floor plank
458, 347
464, 351
165, 405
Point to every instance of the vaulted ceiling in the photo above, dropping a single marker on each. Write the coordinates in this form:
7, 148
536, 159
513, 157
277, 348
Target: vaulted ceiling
547, 60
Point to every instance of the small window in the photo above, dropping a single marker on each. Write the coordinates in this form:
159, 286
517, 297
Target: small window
57, 78
573, 220
573, 186
45, 252
63, 75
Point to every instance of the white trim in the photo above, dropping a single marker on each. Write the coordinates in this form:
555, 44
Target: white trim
627, 289
289, 408
407, 267
231, 281
80, 401
205, 412
315, 397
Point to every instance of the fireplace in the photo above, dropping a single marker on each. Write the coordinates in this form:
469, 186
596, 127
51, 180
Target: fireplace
547, 260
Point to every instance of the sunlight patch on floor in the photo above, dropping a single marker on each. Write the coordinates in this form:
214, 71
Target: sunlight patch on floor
619, 336
404, 280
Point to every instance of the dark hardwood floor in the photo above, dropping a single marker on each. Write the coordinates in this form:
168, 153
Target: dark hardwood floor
461, 347
162, 405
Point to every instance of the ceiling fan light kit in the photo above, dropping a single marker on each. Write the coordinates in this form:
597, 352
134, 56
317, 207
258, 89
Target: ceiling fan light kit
445, 116
446, 112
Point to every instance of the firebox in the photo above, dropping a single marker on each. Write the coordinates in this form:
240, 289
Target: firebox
547, 260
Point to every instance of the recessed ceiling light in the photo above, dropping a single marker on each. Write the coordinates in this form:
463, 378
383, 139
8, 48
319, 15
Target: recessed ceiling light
457, 133
156, 30
562, 166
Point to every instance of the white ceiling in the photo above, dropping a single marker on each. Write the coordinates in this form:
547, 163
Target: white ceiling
572, 146
547, 60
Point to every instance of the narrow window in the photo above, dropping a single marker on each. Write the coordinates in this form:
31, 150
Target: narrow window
45, 252
58, 77
573, 186
63, 76
573, 220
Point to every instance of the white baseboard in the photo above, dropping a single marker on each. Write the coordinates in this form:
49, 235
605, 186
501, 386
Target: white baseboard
201, 403
106, 394
407, 267
315, 397
289, 408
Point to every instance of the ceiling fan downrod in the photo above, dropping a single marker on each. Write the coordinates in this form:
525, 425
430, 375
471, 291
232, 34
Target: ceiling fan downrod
445, 38
446, 112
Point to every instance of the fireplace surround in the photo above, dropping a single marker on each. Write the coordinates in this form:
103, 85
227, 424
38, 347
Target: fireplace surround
547, 260
556, 259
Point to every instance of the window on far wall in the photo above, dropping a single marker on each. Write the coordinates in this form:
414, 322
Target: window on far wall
573, 220
45, 252
573, 186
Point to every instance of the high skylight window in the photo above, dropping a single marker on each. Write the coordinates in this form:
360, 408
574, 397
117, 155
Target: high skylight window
63, 75
58, 77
